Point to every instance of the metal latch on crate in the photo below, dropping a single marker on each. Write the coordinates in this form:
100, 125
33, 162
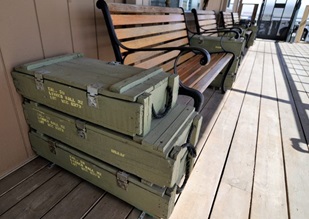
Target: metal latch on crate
38, 78
52, 146
92, 93
122, 179
81, 128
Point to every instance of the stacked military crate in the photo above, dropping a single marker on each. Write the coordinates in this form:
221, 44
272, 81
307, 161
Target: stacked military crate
118, 127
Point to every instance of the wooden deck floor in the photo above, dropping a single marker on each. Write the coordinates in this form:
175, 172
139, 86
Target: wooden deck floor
253, 162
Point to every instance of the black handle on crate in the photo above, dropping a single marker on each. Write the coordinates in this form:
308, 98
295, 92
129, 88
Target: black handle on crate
189, 159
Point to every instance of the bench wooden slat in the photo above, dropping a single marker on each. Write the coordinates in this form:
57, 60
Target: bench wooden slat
208, 26
204, 82
208, 23
207, 20
190, 78
155, 40
145, 19
134, 9
137, 56
207, 16
169, 66
158, 60
126, 33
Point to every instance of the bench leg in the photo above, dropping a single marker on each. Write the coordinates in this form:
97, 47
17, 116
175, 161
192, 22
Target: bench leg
226, 72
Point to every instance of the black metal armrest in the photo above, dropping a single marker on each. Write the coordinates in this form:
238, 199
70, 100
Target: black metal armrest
183, 49
237, 34
197, 96
240, 30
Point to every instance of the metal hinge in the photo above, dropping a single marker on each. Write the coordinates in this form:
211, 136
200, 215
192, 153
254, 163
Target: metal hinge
52, 146
122, 179
92, 92
81, 128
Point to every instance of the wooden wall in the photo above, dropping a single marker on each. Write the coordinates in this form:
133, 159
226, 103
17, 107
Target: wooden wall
32, 30
35, 29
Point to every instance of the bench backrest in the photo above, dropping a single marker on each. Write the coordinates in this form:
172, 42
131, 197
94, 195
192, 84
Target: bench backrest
205, 20
137, 26
236, 19
227, 19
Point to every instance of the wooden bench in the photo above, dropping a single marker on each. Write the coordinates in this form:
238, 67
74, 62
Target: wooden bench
251, 29
151, 36
214, 39
228, 22
206, 24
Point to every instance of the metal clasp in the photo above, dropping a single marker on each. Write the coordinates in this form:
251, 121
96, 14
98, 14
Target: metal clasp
92, 92
122, 179
81, 128
39, 80
52, 146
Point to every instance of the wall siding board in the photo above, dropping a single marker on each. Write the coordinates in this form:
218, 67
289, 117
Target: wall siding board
83, 27
19, 42
54, 23
33, 30
12, 148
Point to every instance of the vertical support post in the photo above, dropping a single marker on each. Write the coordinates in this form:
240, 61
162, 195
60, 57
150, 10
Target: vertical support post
240, 8
302, 25
256, 6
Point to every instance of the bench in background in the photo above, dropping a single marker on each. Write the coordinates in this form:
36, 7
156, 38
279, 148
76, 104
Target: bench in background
227, 22
214, 39
250, 27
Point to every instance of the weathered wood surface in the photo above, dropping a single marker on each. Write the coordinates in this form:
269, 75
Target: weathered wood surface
253, 153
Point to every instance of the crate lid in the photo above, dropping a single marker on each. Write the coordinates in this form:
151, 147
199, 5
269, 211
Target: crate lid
107, 78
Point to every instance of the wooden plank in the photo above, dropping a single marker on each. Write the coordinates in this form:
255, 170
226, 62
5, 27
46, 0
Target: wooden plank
134, 214
234, 194
157, 39
44, 198
295, 150
21, 174
15, 195
82, 20
194, 61
77, 203
201, 188
17, 19
204, 82
125, 33
54, 27
119, 8
269, 193
145, 19
110, 207
12, 150
214, 102
136, 56
158, 60
299, 92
